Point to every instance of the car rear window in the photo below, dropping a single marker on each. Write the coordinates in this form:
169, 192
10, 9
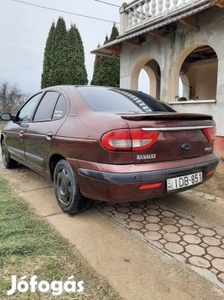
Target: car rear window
120, 100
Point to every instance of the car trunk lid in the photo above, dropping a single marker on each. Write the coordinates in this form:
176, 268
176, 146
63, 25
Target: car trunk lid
180, 135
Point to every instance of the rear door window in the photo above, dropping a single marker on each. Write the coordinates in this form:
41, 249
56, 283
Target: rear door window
46, 107
60, 108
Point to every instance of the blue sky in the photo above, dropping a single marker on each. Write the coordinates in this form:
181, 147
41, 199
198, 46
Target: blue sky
24, 30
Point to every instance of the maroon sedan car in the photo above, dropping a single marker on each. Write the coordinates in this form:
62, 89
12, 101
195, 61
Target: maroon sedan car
108, 144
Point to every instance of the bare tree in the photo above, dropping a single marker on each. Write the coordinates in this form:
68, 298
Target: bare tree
11, 98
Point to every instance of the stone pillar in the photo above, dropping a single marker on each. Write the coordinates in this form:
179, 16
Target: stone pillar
169, 75
123, 19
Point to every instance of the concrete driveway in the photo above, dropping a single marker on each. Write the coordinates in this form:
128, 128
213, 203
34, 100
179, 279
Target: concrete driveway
170, 248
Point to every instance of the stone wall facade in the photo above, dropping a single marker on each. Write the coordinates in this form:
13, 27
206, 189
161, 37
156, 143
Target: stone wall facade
169, 52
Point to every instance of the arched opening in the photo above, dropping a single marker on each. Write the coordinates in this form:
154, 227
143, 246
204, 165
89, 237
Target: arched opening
146, 77
184, 87
144, 82
198, 75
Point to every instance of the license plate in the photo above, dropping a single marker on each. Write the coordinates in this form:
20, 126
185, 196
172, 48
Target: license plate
184, 181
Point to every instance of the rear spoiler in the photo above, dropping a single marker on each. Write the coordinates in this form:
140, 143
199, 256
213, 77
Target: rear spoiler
166, 116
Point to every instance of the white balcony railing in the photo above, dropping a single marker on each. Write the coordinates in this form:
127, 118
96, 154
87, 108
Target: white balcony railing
142, 12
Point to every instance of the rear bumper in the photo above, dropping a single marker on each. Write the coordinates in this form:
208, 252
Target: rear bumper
148, 176
122, 183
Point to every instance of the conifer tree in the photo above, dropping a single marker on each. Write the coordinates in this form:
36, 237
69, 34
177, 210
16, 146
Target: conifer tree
114, 33
107, 69
114, 63
46, 78
76, 58
59, 54
99, 75
64, 59
83, 73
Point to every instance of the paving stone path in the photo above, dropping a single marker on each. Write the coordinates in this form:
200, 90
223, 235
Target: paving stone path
197, 244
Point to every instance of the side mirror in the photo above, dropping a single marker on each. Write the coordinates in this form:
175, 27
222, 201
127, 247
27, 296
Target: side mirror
6, 117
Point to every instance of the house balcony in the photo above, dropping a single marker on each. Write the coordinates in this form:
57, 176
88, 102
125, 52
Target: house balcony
155, 17
155, 14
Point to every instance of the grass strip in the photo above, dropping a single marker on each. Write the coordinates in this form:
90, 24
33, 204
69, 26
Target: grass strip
29, 246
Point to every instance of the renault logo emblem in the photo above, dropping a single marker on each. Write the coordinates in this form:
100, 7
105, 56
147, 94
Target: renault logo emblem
186, 146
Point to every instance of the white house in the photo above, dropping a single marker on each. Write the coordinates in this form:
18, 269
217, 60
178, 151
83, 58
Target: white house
180, 46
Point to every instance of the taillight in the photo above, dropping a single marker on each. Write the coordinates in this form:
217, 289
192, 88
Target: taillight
210, 133
142, 139
128, 139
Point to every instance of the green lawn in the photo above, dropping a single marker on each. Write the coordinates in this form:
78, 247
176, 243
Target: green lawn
29, 246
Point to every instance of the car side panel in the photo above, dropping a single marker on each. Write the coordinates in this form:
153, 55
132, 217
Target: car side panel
80, 135
37, 142
13, 134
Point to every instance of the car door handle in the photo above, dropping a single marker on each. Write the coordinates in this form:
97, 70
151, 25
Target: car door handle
21, 133
49, 135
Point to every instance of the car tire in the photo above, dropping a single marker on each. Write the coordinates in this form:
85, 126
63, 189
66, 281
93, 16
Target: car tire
67, 190
8, 162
